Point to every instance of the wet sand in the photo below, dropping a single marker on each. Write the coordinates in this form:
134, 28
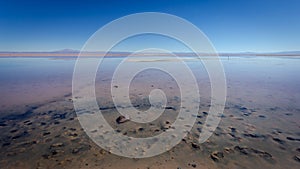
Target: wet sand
259, 127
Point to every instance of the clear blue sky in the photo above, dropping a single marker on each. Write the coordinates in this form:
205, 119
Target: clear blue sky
231, 25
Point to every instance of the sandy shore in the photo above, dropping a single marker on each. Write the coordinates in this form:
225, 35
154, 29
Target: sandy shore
259, 128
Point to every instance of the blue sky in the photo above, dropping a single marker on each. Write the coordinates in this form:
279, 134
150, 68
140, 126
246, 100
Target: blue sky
231, 25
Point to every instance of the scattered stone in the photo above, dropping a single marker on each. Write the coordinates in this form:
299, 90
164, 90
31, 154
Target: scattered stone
193, 165
255, 135
3, 124
170, 108
293, 139
228, 150
247, 151
48, 140
28, 143
30, 123
279, 140
165, 127
57, 145
297, 158
73, 134
195, 146
199, 129
13, 131
75, 151
59, 116
103, 152
156, 130
56, 152
107, 108
247, 114
46, 133
216, 156
140, 129
122, 119
199, 122
242, 150
233, 130
19, 135
5, 144
27, 121
46, 156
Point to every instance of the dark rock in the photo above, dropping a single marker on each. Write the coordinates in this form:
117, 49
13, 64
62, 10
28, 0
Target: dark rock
75, 151
46, 156
18, 116
19, 135
247, 114
199, 122
293, 139
216, 156
3, 124
233, 130
170, 108
55, 145
81, 149
194, 165
107, 108
195, 146
279, 140
73, 134
5, 144
199, 129
297, 158
247, 151
228, 150
122, 119
242, 150
59, 116
30, 123
46, 133
27, 121
262, 116
255, 135
56, 152
13, 131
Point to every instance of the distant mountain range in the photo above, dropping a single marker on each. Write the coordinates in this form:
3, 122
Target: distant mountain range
72, 53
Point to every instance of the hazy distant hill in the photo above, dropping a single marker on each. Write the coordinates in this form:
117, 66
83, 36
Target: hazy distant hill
75, 53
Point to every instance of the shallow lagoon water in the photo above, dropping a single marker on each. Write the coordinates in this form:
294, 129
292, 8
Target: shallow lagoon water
260, 124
